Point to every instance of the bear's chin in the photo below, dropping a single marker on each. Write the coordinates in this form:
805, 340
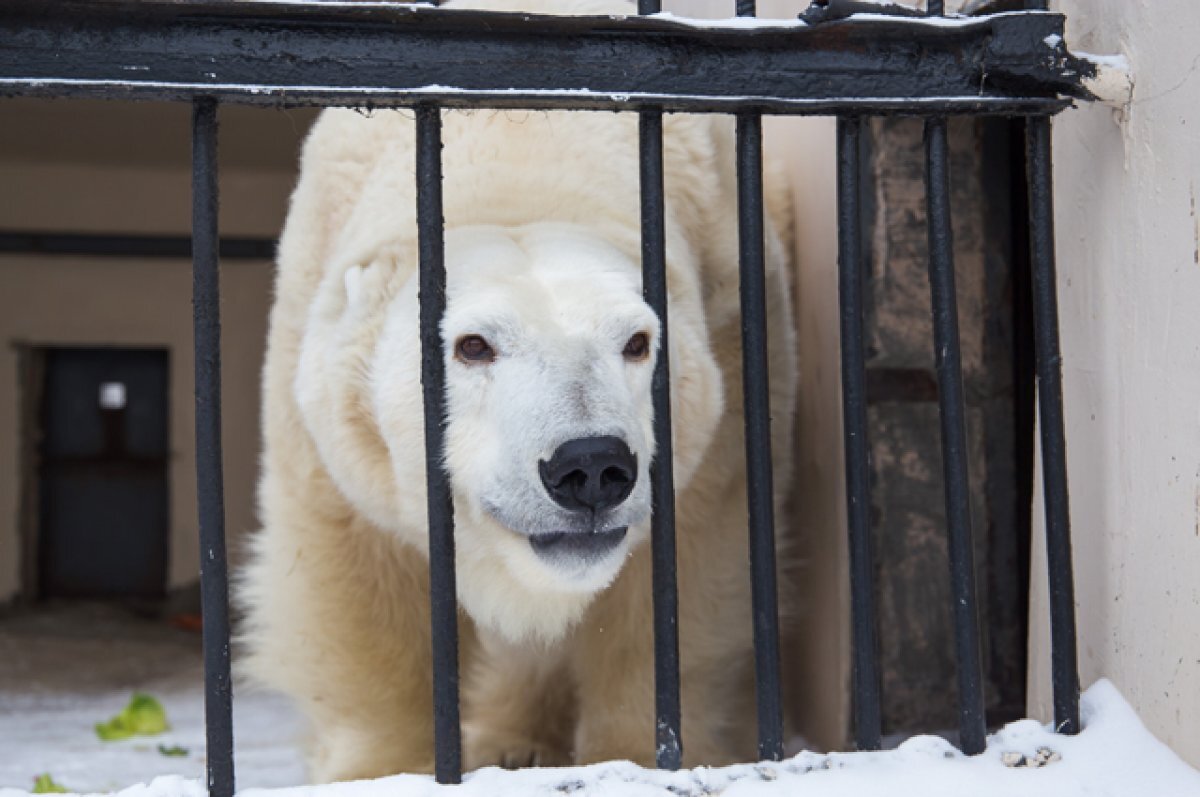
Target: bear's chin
509, 590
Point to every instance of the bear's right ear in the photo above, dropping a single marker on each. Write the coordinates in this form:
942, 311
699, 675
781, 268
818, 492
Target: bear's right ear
353, 282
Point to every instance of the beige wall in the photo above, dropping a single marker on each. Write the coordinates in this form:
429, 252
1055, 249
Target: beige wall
119, 167
1129, 277
123, 168
819, 681
74, 301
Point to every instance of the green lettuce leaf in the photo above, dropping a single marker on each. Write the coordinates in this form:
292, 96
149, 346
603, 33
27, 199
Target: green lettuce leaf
144, 716
44, 784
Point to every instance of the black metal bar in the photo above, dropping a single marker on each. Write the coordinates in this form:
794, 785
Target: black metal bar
935, 8
389, 55
868, 727
1064, 663
756, 388
952, 407
668, 732
210, 482
442, 591
101, 245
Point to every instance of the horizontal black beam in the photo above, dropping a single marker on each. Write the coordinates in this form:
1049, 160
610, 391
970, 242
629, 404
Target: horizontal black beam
166, 246
379, 55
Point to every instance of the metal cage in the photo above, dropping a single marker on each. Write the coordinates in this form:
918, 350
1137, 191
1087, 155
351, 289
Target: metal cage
833, 61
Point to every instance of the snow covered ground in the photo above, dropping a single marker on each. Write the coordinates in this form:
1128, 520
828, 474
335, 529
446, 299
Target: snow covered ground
64, 670
53, 689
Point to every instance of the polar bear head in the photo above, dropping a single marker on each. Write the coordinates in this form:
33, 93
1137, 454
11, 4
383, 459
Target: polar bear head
550, 351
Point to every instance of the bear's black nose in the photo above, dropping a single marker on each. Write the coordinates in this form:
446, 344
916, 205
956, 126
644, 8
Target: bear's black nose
590, 473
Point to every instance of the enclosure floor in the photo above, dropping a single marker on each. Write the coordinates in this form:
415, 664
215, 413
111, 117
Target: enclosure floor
62, 670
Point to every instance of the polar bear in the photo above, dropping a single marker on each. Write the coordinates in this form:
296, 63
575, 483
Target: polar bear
549, 354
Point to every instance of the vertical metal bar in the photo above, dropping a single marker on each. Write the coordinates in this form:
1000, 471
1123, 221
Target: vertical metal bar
668, 712
867, 715
1054, 448
952, 407
756, 388
210, 490
935, 8
442, 593
746, 8
668, 739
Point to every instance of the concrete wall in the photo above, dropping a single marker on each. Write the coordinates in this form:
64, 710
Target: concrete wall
122, 168
1129, 281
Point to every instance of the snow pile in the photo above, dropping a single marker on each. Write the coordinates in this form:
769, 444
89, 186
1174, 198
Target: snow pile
1114, 755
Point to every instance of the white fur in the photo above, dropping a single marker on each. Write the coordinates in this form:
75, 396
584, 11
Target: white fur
558, 305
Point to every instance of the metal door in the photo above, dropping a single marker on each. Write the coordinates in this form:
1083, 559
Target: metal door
102, 520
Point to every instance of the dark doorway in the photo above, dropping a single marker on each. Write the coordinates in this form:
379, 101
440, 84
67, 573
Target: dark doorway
102, 524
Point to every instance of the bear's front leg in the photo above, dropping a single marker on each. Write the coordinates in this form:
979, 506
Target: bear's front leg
613, 660
338, 618
362, 750
518, 706
612, 657
617, 716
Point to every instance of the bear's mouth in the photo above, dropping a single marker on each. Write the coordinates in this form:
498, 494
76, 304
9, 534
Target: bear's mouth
585, 546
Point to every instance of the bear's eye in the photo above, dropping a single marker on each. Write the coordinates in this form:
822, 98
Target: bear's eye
638, 347
474, 349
